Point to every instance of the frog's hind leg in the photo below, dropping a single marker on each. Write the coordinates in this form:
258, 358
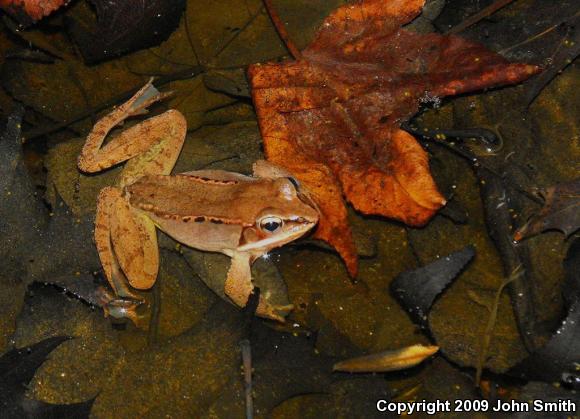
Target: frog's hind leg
127, 244
105, 210
239, 286
152, 146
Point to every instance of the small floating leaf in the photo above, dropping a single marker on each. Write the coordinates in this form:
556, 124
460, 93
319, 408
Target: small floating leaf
417, 289
388, 360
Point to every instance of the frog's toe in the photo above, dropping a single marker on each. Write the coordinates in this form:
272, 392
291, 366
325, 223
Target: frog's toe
121, 308
145, 97
285, 309
279, 312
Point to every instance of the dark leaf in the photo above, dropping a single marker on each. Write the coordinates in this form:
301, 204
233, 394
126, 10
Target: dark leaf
561, 211
39, 246
124, 26
565, 54
17, 368
566, 400
572, 272
416, 290
559, 358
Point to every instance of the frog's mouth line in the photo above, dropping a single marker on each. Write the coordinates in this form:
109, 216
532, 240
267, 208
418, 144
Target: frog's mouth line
281, 239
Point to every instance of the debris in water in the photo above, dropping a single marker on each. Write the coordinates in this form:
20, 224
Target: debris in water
397, 359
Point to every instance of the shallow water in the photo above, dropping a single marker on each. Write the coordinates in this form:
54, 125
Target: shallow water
188, 362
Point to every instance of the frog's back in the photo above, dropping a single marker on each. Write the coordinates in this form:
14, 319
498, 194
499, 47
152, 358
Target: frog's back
236, 199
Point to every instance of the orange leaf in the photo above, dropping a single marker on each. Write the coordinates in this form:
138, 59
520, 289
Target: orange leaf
332, 117
29, 11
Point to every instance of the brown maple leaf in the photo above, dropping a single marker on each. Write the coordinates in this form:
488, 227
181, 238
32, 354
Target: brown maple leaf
561, 211
29, 11
332, 116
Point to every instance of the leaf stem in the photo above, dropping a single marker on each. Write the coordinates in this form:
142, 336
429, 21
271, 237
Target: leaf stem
281, 29
482, 14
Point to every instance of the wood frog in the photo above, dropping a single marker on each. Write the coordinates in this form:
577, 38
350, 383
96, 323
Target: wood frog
241, 216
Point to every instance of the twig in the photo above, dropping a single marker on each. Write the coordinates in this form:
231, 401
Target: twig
281, 29
486, 338
482, 14
235, 36
155, 313
247, 365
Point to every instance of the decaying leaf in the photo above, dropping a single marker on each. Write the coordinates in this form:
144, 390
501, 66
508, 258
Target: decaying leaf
29, 11
125, 26
559, 356
388, 360
417, 289
332, 116
17, 368
558, 359
561, 211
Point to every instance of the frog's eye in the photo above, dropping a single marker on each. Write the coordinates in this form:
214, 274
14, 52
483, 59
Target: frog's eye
271, 224
294, 182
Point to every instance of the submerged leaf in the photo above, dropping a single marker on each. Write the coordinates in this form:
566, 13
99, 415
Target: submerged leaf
416, 290
559, 358
397, 359
124, 26
332, 116
561, 211
17, 368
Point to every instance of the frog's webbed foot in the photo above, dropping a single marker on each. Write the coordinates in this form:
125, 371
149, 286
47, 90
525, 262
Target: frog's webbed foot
122, 308
274, 311
239, 286
147, 95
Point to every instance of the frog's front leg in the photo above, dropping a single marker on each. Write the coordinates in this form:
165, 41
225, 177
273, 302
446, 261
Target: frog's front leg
239, 286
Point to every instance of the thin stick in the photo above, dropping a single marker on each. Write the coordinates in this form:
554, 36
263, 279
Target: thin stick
281, 29
482, 14
486, 338
247, 364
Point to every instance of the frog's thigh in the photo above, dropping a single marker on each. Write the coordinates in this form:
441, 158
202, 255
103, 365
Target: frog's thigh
155, 143
135, 244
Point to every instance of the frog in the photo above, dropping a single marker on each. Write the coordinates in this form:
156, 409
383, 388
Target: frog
241, 216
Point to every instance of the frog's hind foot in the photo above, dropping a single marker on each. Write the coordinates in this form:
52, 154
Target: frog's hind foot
122, 308
273, 311
147, 95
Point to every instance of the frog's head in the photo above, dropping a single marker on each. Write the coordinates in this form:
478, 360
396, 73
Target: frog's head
290, 214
